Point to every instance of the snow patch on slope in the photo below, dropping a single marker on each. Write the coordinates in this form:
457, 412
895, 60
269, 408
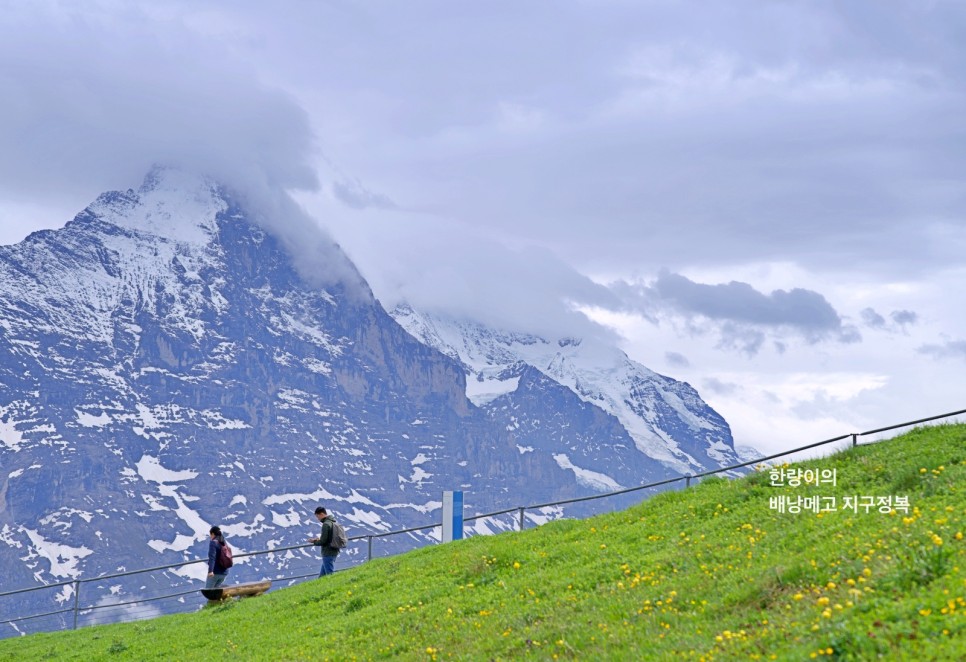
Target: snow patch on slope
10, 436
592, 479
152, 471
90, 421
63, 559
483, 390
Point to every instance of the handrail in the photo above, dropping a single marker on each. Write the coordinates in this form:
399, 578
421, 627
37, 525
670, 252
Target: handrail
179, 564
26, 618
392, 533
38, 588
608, 494
916, 422
370, 536
772, 457
136, 602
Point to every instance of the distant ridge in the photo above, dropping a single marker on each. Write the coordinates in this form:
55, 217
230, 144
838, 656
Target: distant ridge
664, 419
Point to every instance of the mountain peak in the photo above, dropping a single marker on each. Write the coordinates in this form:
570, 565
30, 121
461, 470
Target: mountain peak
172, 203
175, 179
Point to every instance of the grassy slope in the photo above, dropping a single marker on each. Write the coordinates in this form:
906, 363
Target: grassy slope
708, 573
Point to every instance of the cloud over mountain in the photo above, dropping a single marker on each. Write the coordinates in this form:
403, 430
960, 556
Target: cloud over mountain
743, 316
96, 96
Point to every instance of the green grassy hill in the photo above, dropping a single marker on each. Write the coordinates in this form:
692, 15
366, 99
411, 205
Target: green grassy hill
715, 572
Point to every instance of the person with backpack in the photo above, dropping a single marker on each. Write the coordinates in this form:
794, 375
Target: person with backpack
219, 558
331, 540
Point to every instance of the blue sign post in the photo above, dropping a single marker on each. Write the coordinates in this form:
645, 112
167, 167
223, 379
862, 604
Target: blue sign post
452, 516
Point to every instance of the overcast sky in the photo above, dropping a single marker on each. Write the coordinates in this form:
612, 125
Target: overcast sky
766, 199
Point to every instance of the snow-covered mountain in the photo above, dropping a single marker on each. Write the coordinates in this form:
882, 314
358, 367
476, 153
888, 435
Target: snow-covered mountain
164, 366
636, 425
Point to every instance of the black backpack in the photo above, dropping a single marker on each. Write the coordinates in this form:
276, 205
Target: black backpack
224, 556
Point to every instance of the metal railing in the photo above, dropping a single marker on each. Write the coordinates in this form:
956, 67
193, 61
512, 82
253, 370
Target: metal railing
76, 610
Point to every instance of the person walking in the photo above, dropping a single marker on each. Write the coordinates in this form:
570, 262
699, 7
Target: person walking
325, 541
216, 571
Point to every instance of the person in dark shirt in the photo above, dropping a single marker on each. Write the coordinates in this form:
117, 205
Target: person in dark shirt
216, 572
324, 541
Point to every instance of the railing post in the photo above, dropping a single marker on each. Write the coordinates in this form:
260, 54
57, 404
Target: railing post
522, 508
452, 525
76, 600
370, 548
855, 440
687, 481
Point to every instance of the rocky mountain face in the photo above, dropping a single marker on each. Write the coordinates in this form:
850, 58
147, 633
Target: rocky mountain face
609, 420
164, 367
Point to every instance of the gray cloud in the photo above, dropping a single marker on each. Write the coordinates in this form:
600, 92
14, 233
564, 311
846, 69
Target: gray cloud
741, 316
899, 320
445, 267
740, 337
652, 133
356, 195
719, 387
802, 309
95, 97
816, 406
872, 319
676, 360
951, 349
904, 318
620, 134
